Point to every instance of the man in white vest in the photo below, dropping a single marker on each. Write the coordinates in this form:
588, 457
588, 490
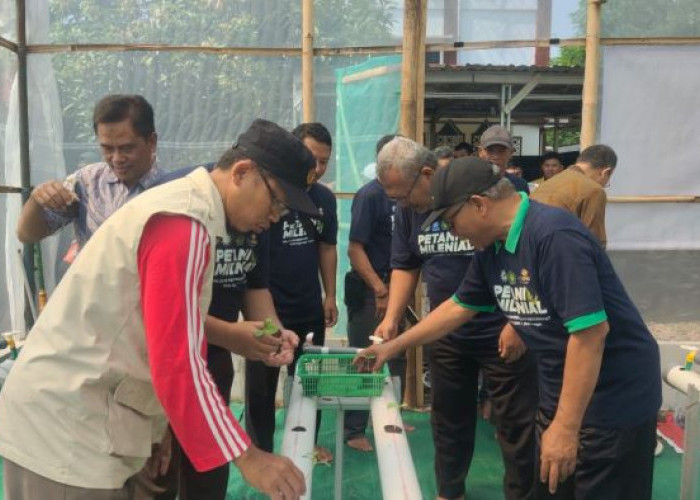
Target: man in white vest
119, 352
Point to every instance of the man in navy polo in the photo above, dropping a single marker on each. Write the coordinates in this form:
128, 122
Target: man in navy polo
405, 169
600, 383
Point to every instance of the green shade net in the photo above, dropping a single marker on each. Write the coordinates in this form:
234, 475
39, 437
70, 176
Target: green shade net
367, 104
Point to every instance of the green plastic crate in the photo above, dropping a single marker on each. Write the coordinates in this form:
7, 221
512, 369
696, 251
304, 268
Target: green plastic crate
335, 375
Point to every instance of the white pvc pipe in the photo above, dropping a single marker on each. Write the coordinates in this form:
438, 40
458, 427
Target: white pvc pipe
299, 433
396, 470
680, 379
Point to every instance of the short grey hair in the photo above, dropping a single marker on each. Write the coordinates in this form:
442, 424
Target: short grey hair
406, 156
501, 190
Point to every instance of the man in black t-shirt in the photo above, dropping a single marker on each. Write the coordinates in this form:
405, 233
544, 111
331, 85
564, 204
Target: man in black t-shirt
599, 369
303, 257
405, 169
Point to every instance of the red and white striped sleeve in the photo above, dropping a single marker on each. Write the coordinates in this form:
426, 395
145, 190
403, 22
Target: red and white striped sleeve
173, 253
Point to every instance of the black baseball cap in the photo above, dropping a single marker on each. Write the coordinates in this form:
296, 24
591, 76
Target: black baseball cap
284, 157
457, 182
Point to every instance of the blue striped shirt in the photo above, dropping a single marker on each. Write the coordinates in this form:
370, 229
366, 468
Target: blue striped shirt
100, 194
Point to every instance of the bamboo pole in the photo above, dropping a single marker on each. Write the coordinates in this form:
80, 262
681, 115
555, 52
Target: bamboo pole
348, 51
420, 91
655, 199
307, 60
411, 39
4, 42
641, 199
589, 109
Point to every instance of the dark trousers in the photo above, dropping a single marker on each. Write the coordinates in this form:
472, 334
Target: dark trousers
261, 386
210, 485
512, 387
612, 464
362, 321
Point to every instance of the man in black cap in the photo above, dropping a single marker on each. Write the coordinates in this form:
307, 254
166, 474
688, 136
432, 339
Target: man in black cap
405, 169
119, 352
553, 281
496, 146
302, 250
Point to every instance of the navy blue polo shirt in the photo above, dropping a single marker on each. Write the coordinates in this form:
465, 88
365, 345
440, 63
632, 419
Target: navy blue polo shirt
552, 279
371, 225
241, 262
294, 254
519, 183
444, 259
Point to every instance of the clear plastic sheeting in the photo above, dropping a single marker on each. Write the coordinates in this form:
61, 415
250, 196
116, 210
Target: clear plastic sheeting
8, 70
485, 20
649, 116
259, 23
45, 153
202, 102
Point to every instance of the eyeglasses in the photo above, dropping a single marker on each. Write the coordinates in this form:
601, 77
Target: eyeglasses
278, 206
449, 218
403, 200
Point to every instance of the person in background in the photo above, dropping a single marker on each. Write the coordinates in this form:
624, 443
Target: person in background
551, 165
444, 155
367, 282
514, 170
302, 248
580, 189
497, 147
488, 343
127, 139
463, 149
119, 351
540, 266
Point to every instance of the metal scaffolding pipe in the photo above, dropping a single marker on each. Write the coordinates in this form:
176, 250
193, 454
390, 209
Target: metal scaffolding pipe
23, 124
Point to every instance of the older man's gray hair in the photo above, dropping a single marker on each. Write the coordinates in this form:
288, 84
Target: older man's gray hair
406, 156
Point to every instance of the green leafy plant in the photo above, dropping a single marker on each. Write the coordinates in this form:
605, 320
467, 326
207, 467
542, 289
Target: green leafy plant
269, 328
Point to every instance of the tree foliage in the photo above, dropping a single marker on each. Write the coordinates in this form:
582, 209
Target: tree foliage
199, 99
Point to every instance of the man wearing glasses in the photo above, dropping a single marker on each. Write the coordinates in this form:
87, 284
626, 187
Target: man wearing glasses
405, 169
302, 258
599, 369
119, 352
241, 286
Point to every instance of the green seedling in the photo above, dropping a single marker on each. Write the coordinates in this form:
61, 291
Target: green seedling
269, 328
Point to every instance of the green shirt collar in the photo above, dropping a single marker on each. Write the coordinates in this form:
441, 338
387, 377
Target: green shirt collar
517, 226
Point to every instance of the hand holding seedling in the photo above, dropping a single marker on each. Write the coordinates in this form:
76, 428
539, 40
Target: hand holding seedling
285, 352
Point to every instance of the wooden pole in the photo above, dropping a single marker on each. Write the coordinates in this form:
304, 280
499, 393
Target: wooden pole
420, 74
407, 120
307, 60
589, 110
543, 31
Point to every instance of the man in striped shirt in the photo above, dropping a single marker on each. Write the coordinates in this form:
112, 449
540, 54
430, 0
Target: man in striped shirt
127, 138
